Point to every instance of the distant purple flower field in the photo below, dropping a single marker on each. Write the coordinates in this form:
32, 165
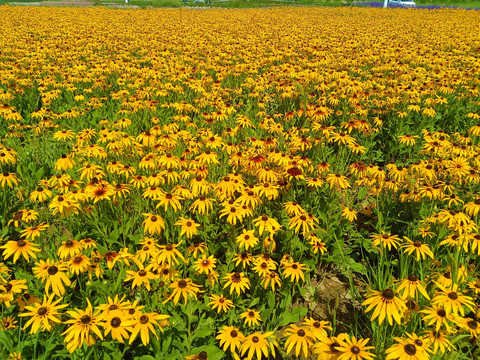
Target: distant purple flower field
431, 7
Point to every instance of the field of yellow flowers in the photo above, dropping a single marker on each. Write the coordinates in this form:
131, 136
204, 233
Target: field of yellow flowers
290, 183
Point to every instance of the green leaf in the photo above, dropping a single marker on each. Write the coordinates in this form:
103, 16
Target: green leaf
204, 331
295, 315
213, 352
271, 300
147, 357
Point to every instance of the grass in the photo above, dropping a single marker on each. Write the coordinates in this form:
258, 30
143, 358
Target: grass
232, 4
239, 4
461, 3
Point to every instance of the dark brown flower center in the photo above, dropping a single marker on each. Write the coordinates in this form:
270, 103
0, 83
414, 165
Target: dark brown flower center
169, 247
234, 333
442, 313
236, 277
255, 339
410, 304
417, 243
143, 319
410, 349
85, 319
182, 284
142, 273
453, 296
153, 218
355, 350
115, 322
21, 243
202, 355
412, 278
77, 259
472, 324
333, 347
52, 270
418, 342
301, 333
42, 311
388, 294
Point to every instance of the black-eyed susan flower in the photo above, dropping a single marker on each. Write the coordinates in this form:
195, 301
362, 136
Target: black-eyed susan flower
470, 325
452, 300
83, 324
317, 327
251, 317
386, 240
257, 344
69, 249
300, 339
8, 178
117, 303
10, 288
34, 231
168, 200
118, 324
244, 258
195, 248
409, 287
271, 279
338, 181
169, 254
220, 303
236, 281
64, 163
43, 315
20, 247
202, 205
40, 194
472, 208
349, 214
438, 317
79, 264
183, 287
406, 349
266, 223
8, 323
294, 271
439, 340
153, 224
56, 278
145, 324
230, 338
247, 239
140, 277
205, 265
420, 249
353, 349
188, 227
385, 305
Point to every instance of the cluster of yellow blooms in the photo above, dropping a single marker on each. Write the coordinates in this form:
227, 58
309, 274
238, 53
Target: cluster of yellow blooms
203, 159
